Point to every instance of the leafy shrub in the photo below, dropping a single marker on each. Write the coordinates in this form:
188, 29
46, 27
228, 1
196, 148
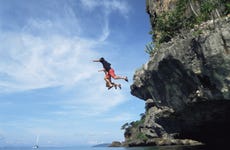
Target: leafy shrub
142, 136
227, 11
125, 126
168, 24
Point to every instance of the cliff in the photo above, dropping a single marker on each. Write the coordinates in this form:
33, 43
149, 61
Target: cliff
186, 82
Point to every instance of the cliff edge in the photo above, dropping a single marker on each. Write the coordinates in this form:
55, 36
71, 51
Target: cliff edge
185, 84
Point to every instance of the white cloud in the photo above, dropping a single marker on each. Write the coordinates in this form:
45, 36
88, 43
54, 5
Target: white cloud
41, 55
33, 62
92, 101
120, 5
108, 6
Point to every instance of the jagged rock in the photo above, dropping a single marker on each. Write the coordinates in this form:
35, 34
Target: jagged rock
186, 65
115, 144
186, 82
149, 103
186, 86
164, 142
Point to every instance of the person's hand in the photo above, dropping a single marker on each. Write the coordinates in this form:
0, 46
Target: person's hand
101, 70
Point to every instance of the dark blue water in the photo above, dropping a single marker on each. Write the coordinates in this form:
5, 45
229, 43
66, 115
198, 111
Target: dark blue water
120, 148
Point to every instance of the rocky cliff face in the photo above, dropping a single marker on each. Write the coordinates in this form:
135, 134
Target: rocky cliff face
188, 68
186, 87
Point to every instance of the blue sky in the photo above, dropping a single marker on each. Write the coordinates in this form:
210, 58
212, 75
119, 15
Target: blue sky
49, 86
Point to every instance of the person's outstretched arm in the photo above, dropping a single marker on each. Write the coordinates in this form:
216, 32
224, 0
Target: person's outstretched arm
96, 60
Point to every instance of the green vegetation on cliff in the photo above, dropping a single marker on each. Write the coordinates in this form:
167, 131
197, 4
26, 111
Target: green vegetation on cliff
168, 24
133, 130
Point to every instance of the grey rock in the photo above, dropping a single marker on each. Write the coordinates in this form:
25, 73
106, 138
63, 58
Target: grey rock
115, 144
186, 89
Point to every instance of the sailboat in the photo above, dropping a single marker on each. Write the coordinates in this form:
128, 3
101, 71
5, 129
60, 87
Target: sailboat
36, 145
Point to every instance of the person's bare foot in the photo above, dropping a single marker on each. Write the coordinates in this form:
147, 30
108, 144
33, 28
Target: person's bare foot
110, 87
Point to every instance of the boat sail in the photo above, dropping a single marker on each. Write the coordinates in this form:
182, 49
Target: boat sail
36, 145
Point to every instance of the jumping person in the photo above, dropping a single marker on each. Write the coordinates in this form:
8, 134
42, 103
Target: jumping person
110, 72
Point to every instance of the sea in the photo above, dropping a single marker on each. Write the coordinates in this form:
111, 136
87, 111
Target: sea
118, 148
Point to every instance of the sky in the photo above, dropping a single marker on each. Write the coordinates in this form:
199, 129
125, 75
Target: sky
49, 86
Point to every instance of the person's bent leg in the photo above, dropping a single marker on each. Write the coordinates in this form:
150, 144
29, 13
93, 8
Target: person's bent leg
108, 81
119, 77
114, 76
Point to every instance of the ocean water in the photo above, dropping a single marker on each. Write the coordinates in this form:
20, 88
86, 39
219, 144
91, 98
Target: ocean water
115, 148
